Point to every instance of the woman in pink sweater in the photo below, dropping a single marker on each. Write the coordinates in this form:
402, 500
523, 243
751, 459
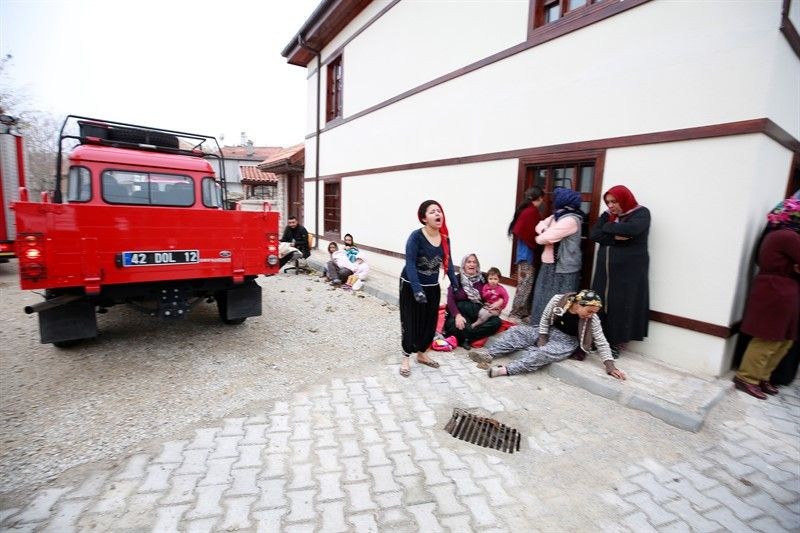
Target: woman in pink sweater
560, 233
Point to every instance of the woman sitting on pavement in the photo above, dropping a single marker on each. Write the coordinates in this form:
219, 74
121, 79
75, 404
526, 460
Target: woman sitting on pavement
569, 325
465, 304
339, 268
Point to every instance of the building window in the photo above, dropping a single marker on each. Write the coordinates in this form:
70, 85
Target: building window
549, 11
335, 80
265, 192
333, 202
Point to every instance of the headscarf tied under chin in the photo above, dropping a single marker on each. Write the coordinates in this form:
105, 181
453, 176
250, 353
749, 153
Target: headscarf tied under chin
627, 202
467, 281
786, 215
566, 202
443, 231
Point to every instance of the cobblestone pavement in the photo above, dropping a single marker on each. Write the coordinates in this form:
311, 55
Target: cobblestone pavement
367, 453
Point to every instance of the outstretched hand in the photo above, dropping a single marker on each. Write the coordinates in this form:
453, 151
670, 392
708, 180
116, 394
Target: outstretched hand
461, 322
613, 371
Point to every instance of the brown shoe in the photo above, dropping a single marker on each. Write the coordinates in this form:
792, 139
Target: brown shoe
752, 390
768, 387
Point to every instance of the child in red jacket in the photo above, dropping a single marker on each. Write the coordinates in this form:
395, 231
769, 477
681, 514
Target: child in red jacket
494, 295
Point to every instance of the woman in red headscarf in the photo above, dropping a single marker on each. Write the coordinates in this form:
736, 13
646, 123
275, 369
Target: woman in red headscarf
622, 265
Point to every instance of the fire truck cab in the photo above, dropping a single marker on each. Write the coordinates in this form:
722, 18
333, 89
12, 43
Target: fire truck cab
140, 221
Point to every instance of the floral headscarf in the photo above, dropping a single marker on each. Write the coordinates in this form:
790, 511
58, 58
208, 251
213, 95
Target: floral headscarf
786, 215
467, 281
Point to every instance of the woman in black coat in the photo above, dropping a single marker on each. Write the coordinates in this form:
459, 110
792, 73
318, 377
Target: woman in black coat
621, 276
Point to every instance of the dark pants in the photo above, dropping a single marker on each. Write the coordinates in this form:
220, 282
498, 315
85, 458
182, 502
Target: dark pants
286, 258
469, 310
334, 272
418, 321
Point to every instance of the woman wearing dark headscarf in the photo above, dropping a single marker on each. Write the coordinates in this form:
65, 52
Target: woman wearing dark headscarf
464, 302
523, 227
773, 307
427, 250
622, 266
560, 233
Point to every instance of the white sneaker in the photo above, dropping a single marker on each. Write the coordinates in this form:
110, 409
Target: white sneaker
357, 285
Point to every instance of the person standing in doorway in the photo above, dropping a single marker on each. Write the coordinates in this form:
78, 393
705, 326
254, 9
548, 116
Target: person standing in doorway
427, 250
560, 233
621, 276
523, 227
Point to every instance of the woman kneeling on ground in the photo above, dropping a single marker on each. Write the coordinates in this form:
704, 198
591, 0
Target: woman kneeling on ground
569, 324
464, 305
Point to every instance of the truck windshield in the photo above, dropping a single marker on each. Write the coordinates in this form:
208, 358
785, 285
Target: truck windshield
147, 188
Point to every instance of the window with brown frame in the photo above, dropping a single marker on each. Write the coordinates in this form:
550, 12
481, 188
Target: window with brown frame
333, 202
548, 11
334, 93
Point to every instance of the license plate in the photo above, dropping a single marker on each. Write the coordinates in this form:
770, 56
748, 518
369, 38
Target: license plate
166, 257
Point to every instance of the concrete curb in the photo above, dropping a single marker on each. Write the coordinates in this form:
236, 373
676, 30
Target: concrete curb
672, 414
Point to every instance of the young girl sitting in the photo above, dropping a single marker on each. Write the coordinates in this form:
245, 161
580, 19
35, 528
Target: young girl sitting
495, 297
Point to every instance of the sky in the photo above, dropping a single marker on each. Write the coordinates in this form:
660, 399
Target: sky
200, 66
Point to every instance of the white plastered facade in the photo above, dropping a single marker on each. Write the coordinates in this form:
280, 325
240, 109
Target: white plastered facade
660, 66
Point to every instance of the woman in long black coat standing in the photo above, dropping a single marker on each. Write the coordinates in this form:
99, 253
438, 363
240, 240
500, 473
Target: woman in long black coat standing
623, 262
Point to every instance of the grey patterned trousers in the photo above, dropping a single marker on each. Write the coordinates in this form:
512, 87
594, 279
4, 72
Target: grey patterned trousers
559, 347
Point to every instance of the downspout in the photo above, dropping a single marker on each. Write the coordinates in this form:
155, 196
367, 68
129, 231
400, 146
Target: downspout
318, 53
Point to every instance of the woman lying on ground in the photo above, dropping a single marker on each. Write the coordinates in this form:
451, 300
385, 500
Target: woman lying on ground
569, 325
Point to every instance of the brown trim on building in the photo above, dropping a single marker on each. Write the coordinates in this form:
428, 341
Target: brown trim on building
699, 326
541, 35
340, 48
788, 28
574, 20
742, 127
793, 182
324, 24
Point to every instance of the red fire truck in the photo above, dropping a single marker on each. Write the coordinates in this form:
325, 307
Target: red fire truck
12, 177
140, 222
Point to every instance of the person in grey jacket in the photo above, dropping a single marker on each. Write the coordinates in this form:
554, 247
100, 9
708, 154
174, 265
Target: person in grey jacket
569, 327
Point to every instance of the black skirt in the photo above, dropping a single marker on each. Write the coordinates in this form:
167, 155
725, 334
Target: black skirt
418, 321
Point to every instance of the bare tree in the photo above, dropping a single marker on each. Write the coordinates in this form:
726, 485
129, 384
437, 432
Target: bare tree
39, 130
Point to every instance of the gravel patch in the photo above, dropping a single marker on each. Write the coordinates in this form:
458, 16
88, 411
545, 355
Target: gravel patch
144, 379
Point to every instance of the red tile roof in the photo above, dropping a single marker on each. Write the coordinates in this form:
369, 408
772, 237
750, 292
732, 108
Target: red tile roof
250, 175
293, 156
259, 152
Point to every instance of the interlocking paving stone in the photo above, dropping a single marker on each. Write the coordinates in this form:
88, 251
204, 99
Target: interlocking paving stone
369, 454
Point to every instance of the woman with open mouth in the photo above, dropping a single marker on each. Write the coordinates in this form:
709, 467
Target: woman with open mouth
427, 250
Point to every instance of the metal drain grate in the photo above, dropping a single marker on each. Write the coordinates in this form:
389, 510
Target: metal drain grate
482, 431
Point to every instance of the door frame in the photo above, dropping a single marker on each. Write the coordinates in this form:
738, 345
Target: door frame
557, 158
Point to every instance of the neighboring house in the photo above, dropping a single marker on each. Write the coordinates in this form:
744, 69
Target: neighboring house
287, 165
693, 105
237, 157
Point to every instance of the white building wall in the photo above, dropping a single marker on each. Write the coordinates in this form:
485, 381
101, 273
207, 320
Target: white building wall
660, 66
709, 200
415, 42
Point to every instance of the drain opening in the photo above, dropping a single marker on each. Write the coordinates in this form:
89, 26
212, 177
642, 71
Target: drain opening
483, 431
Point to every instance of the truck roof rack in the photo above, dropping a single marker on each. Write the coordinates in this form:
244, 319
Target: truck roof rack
134, 137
